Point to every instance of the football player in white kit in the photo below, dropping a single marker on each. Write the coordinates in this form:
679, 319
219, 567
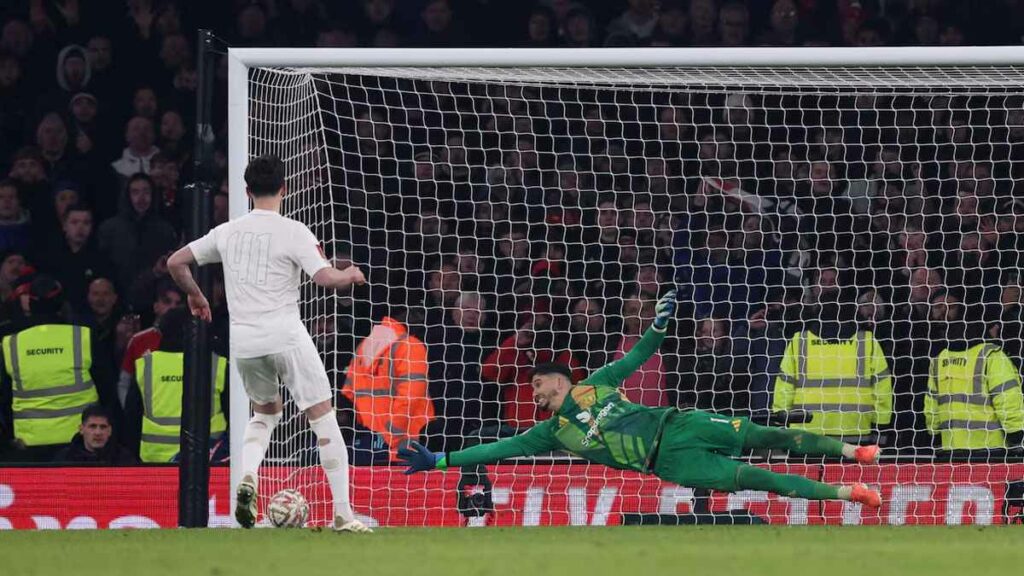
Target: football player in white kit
264, 255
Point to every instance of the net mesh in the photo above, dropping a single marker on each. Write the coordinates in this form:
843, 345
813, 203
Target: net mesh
519, 215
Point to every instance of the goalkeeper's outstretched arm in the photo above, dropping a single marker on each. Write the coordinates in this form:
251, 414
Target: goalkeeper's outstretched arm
614, 373
536, 440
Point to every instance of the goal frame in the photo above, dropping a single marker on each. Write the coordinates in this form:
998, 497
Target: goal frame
241, 60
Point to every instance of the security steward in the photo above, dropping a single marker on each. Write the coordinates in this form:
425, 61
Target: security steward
838, 373
386, 382
46, 375
156, 405
974, 399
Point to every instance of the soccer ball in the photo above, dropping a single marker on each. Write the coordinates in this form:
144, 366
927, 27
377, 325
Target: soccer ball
288, 509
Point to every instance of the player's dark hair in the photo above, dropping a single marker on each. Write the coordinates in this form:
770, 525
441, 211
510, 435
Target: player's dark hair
546, 368
264, 175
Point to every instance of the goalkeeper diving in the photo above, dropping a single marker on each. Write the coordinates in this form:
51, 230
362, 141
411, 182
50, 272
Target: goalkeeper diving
593, 420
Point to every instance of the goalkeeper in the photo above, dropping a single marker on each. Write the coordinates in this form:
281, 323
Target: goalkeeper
593, 420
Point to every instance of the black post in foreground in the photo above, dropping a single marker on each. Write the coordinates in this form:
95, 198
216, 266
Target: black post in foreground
197, 394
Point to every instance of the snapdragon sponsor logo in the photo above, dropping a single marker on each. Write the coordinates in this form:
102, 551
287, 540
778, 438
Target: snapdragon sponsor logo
595, 424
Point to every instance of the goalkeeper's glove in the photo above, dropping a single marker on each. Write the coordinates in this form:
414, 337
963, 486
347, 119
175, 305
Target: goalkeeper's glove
664, 310
419, 459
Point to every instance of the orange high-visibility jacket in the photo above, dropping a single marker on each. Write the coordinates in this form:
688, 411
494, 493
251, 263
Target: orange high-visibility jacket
387, 383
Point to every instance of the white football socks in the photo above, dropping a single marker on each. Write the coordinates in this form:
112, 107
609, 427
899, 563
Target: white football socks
334, 459
255, 441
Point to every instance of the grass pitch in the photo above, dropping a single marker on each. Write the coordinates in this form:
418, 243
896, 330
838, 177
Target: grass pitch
618, 551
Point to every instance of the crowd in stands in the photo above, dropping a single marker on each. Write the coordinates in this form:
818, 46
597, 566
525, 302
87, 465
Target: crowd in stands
518, 224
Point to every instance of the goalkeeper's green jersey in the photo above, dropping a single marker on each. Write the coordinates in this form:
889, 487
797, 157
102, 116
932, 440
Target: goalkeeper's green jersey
595, 421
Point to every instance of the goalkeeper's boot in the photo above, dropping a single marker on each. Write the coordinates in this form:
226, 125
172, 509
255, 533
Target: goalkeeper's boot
353, 525
867, 454
866, 496
245, 502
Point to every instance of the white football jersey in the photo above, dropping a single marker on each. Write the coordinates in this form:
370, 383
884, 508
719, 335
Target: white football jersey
264, 255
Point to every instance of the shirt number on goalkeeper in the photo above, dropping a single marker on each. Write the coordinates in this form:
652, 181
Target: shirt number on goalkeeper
250, 257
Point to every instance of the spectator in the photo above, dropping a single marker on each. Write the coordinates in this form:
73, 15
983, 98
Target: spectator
435, 27
65, 195
135, 238
173, 142
733, 24
634, 26
167, 298
100, 56
15, 225
85, 134
784, 25
139, 137
166, 181
673, 25
456, 353
73, 74
220, 213
103, 317
13, 92
648, 385
579, 29
541, 29
1010, 327
251, 26
510, 364
711, 376
145, 104
52, 140
761, 341
703, 17
11, 265
591, 333
95, 443
75, 260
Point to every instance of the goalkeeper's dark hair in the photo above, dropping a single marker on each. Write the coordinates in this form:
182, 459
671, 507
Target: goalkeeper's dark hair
264, 175
546, 368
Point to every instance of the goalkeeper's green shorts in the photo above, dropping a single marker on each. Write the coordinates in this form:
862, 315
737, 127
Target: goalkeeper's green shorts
695, 450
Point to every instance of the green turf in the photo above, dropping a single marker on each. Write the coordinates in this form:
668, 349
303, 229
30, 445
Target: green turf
622, 551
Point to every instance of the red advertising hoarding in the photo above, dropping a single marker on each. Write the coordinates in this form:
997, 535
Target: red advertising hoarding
526, 495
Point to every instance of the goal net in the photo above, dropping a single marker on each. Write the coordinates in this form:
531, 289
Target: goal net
514, 215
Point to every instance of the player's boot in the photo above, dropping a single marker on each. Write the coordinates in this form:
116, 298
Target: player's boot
354, 526
867, 454
866, 496
245, 502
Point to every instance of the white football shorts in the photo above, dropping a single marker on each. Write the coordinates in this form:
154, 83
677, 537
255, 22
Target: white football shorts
300, 369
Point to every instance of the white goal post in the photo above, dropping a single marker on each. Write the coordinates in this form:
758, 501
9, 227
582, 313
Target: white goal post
974, 72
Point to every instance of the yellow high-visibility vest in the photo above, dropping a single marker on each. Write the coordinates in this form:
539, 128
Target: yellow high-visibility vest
49, 368
159, 376
845, 384
974, 398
